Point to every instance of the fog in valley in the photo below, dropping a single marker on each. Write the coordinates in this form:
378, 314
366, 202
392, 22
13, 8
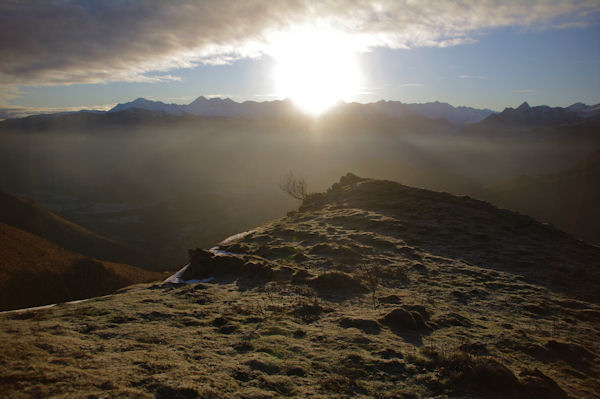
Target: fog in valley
163, 186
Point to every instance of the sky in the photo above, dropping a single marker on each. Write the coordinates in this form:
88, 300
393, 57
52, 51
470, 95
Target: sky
66, 54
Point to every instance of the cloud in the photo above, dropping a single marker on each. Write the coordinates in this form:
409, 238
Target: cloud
412, 84
56, 42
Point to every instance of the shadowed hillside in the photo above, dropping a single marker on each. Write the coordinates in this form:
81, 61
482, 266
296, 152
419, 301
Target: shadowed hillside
34, 271
31, 217
567, 198
372, 289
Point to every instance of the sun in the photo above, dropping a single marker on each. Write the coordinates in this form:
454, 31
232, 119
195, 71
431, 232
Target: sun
316, 69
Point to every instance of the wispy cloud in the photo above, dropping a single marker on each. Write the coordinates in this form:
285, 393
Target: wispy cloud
55, 42
412, 84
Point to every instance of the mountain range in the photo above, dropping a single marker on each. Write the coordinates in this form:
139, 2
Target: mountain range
524, 114
141, 110
251, 109
542, 116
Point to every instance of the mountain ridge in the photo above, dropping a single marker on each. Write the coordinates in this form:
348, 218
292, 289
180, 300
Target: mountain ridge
537, 116
226, 107
526, 116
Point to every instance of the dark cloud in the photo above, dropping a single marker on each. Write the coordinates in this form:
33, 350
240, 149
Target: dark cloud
48, 42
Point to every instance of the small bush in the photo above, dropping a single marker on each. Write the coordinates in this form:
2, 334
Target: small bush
337, 281
400, 319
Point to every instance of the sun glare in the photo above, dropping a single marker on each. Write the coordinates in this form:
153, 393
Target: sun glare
316, 69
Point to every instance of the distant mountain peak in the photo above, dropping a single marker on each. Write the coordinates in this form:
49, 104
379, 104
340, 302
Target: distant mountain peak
525, 116
584, 110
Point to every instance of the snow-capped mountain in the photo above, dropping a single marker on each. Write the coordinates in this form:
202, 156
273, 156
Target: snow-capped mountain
142, 103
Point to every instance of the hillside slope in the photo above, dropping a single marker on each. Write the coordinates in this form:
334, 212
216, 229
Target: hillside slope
567, 198
33, 218
34, 271
372, 289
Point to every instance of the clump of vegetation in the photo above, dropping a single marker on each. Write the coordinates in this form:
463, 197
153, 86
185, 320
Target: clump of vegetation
404, 319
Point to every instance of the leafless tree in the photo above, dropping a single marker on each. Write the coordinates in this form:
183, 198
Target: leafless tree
294, 186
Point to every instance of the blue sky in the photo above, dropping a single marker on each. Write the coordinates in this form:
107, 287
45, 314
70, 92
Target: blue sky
488, 56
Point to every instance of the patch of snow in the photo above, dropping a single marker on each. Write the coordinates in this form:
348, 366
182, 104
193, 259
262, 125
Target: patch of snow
178, 279
219, 252
234, 237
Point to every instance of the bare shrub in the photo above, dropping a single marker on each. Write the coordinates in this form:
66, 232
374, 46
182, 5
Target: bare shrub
294, 186
371, 274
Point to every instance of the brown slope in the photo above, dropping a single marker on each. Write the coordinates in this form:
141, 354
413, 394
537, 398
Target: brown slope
567, 198
34, 271
33, 218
